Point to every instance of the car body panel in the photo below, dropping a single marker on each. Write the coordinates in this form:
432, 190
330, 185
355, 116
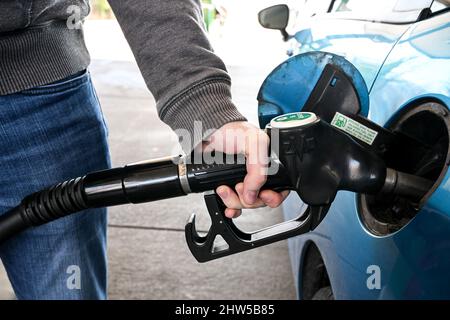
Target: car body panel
414, 261
370, 43
290, 84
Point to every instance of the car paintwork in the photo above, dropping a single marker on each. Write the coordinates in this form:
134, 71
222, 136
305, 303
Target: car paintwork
297, 77
399, 64
364, 44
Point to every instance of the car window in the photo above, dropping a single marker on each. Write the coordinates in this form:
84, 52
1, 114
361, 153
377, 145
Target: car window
389, 11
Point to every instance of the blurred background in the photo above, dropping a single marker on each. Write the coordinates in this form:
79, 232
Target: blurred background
148, 257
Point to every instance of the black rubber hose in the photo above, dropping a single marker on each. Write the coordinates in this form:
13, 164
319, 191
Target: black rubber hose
136, 183
12, 223
44, 206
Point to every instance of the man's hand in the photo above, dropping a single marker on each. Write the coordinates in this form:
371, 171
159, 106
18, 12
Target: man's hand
245, 138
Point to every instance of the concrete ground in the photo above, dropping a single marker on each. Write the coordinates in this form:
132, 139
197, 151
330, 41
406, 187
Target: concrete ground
148, 258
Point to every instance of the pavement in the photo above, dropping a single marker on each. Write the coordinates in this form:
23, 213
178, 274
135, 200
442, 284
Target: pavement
147, 258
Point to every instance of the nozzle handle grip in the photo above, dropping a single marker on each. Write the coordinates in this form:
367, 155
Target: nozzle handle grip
206, 177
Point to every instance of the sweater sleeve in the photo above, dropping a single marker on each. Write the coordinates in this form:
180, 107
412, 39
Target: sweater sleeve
189, 82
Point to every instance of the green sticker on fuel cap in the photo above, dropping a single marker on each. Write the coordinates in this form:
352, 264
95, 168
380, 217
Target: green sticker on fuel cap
293, 116
294, 119
354, 128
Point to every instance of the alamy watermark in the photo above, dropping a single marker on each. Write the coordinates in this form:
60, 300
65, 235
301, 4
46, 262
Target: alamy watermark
373, 281
74, 21
73, 281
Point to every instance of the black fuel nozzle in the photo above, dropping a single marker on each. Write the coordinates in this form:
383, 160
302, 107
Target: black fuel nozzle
316, 160
321, 160
311, 157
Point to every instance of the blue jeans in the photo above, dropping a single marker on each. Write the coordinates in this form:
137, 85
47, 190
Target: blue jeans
47, 135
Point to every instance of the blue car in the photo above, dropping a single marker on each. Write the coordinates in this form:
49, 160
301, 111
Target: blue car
372, 247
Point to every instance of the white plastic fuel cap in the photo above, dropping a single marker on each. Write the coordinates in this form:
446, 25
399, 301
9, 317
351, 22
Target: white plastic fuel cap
291, 120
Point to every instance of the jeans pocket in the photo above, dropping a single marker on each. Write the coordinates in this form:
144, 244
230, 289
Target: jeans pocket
71, 82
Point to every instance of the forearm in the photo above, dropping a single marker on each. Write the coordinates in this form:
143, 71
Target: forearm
188, 81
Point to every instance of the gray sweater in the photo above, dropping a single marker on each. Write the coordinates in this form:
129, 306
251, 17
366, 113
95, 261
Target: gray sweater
41, 41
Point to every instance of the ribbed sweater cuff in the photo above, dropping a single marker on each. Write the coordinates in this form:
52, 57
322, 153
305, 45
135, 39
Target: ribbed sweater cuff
199, 111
